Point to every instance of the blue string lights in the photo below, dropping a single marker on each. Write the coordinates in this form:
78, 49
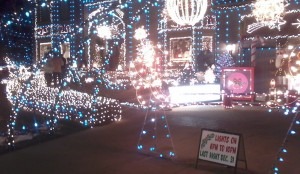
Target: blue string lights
155, 135
282, 155
12, 27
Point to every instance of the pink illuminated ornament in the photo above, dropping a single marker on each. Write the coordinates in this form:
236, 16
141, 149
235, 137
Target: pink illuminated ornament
237, 83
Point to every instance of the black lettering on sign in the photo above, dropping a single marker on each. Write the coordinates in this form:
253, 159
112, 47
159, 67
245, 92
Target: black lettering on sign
214, 155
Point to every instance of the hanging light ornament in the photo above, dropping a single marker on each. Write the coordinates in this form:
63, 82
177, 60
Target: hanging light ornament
104, 32
186, 12
269, 12
140, 34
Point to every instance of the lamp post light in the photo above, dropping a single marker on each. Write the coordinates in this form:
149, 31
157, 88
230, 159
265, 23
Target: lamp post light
105, 33
230, 48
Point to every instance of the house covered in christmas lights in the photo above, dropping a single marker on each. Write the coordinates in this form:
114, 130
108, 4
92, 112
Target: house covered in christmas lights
185, 41
100, 34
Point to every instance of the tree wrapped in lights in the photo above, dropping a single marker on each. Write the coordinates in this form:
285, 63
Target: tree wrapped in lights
224, 60
146, 76
145, 70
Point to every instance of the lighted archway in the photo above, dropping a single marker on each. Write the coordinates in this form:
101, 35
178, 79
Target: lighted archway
106, 53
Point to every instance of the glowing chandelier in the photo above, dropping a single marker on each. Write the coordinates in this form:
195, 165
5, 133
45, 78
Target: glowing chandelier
269, 12
186, 12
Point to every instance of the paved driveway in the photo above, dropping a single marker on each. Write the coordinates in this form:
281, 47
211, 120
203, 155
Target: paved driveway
112, 149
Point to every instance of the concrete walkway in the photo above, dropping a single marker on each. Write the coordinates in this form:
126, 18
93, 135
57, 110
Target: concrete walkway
112, 149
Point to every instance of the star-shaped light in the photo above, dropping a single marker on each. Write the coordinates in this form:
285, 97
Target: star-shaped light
297, 23
270, 12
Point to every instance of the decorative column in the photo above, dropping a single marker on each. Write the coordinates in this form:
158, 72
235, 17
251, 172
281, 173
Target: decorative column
55, 36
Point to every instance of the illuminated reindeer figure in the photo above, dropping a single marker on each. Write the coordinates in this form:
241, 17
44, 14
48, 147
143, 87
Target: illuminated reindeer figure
28, 91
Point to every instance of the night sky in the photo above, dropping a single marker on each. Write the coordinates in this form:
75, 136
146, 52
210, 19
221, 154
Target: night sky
10, 5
